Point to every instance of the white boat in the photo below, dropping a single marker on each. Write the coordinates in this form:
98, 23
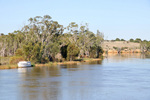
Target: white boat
24, 64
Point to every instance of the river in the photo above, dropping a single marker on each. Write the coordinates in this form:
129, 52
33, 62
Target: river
117, 77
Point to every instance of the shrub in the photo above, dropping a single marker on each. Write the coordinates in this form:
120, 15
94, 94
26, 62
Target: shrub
123, 48
50, 63
72, 52
131, 40
115, 48
117, 39
122, 40
19, 52
15, 59
4, 60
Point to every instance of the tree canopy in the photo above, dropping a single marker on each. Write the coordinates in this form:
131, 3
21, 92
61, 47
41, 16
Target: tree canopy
43, 38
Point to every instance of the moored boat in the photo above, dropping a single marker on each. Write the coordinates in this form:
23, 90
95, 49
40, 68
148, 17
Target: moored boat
24, 64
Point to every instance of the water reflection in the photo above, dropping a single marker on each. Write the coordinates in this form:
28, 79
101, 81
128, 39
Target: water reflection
54, 82
95, 62
125, 56
23, 70
146, 55
38, 83
117, 77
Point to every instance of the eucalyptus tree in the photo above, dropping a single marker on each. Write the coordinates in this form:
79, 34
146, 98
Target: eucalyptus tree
42, 39
72, 52
87, 40
145, 46
45, 31
7, 44
3, 45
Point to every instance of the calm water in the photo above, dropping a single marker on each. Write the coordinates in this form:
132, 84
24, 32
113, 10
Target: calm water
117, 77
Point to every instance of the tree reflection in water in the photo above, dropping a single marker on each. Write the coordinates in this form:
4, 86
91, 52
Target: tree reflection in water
117, 77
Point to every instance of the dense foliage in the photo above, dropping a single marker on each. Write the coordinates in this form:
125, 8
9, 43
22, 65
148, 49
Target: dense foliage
44, 40
145, 46
137, 40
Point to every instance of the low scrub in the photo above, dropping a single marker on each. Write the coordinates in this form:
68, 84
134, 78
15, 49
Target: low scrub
4, 60
15, 59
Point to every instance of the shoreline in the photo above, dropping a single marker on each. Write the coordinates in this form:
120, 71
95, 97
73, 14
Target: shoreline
52, 63
67, 62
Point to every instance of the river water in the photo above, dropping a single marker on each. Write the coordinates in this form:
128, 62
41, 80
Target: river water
117, 77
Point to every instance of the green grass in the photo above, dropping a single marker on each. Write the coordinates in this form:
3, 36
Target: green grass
78, 59
50, 63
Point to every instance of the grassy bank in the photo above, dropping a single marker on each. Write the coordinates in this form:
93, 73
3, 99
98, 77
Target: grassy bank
54, 63
69, 62
8, 66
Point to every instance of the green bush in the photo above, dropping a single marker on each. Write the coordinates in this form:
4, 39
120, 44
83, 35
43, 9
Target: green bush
123, 48
72, 52
19, 52
117, 39
15, 59
115, 48
131, 40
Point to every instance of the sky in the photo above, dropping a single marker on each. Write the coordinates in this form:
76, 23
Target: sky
114, 18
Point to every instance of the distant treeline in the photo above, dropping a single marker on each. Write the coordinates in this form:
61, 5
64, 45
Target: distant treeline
44, 40
137, 40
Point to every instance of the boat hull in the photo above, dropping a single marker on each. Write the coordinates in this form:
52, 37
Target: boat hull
24, 64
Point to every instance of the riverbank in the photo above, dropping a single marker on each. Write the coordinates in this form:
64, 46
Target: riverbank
68, 62
8, 67
53, 63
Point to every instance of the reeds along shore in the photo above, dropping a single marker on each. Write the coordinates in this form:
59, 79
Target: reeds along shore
52, 63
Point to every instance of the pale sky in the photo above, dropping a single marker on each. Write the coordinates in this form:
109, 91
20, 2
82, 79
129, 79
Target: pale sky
115, 18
